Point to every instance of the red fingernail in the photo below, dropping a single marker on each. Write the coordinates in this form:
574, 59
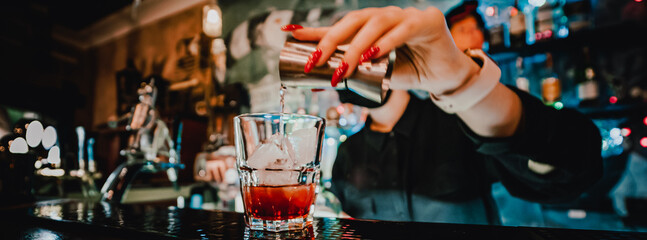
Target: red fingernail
339, 73
369, 54
312, 60
291, 27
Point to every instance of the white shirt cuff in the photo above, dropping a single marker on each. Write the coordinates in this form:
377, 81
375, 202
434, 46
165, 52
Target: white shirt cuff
475, 89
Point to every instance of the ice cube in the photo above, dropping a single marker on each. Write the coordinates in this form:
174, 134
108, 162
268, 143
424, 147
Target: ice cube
277, 178
304, 143
270, 155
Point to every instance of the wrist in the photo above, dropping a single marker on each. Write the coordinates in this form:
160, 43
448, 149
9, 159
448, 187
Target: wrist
479, 82
466, 69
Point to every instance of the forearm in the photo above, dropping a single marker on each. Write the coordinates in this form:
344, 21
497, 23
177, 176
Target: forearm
565, 140
497, 115
487, 107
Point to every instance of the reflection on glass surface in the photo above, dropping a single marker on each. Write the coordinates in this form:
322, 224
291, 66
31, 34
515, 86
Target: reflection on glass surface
50, 211
307, 233
41, 233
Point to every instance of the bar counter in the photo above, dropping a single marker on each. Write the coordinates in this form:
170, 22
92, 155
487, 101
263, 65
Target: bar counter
73, 219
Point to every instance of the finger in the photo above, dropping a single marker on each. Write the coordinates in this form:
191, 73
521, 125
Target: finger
340, 32
222, 170
370, 32
409, 28
394, 38
310, 34
216, 174
211, 174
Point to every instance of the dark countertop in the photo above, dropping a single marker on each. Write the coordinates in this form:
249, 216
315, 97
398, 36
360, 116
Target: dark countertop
73, 219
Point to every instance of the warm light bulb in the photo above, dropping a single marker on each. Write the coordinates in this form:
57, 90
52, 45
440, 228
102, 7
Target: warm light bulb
212, 21
54, 155
213, 16
18, 146
49, 137
34, 133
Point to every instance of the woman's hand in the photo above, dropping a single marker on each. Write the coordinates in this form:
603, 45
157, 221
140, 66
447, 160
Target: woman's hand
430, 61
214, 168
426, 58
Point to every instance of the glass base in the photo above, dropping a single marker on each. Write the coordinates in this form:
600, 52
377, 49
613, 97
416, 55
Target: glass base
258, 224
305, 233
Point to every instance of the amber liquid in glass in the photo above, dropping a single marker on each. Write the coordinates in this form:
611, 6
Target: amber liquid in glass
279, 202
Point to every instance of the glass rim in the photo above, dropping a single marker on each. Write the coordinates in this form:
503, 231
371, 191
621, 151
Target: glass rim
276, 114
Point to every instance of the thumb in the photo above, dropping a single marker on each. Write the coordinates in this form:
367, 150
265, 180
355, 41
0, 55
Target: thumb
405, 75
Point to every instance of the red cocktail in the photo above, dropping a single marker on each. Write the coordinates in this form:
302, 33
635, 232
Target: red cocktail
279, 202
278, 159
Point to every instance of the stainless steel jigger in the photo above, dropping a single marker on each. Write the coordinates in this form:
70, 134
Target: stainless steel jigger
370, 80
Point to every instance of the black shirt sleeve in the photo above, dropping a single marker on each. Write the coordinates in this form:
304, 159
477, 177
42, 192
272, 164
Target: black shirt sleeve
564, 139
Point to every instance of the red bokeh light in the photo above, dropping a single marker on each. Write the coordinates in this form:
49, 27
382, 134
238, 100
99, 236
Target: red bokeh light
625, 132
514, 11
613, 100
340, 109
543, 35
643, 142
490, 11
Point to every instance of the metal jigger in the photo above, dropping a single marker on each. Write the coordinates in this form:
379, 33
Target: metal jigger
370, 80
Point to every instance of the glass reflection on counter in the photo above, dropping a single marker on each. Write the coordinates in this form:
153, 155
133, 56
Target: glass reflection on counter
49, 211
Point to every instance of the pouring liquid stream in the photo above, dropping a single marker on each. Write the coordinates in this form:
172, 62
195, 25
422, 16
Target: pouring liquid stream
282, 91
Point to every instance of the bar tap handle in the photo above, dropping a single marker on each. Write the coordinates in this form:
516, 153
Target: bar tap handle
92, 166
80, 132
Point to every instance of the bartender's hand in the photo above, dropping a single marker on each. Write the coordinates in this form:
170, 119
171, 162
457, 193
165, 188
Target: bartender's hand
215, 168
431, 61
218, 167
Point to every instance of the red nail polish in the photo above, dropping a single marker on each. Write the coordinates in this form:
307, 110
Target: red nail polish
291, 27
312, 60
369, 54
339, 73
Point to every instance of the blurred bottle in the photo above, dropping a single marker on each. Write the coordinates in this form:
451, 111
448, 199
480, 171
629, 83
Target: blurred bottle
497, 37
521, 81
578, 14
587, 85
517, 26
560, 20
551, 89
544, 27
